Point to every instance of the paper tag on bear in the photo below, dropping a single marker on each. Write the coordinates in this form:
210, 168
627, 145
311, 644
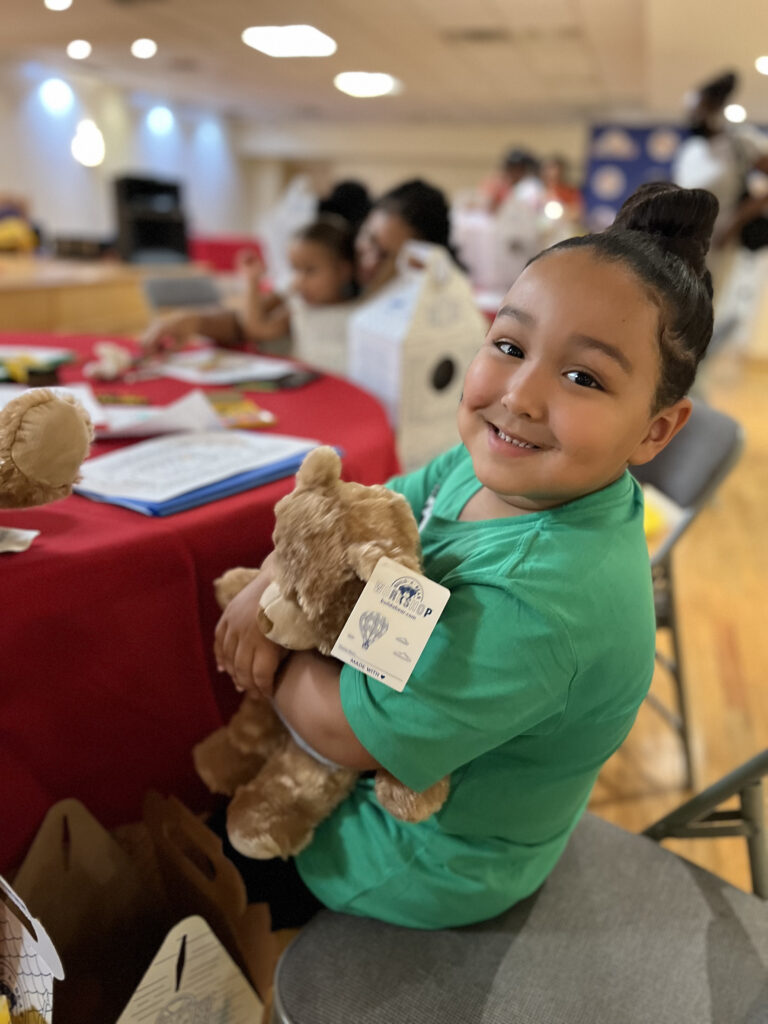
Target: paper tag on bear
391, 623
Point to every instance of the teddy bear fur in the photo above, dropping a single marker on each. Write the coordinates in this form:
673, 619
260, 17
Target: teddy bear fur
44, 437
329, 534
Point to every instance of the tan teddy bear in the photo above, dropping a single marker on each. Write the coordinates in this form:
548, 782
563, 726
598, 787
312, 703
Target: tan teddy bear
44, 436
329, 535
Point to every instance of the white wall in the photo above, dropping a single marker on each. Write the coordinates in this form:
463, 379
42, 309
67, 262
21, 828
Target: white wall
69, 199
231, 174
454, 157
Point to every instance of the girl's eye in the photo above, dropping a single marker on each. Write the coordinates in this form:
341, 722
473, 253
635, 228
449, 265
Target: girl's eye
584, 379
509, 348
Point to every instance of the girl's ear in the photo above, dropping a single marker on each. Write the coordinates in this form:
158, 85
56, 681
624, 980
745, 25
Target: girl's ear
662, 429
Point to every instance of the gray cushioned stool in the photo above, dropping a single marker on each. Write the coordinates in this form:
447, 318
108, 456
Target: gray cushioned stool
622, 932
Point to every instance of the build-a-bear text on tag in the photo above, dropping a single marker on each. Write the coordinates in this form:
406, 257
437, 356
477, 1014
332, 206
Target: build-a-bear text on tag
391, 623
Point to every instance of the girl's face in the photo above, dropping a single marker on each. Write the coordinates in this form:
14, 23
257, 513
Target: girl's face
320, 277
558, 400
378, 242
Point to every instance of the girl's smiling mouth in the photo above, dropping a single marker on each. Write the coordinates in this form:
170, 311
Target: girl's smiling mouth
514, 441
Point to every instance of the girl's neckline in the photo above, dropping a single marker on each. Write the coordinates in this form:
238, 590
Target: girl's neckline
569, 509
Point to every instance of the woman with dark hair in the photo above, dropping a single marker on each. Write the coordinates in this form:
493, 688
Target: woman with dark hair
413, 210
347, 199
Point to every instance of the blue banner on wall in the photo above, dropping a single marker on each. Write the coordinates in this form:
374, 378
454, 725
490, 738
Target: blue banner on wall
620, 159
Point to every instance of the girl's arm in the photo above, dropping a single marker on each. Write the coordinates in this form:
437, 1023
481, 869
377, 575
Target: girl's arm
240, 647
175, 330
266, 316
308, 694
308, 697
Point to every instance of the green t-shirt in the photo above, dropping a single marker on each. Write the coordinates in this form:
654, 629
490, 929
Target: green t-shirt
530, 681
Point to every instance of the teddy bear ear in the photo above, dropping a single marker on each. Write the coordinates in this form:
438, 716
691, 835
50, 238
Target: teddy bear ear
320, 468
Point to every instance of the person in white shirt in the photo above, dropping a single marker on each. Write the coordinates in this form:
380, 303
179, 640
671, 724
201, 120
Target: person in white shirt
719, 156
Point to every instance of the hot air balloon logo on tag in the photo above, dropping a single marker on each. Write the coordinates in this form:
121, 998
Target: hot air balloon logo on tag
372, 626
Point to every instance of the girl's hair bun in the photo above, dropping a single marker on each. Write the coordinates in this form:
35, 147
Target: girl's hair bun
679, 220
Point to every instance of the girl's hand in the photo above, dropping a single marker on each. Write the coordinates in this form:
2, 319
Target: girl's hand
169, 333
250, 265
240, 647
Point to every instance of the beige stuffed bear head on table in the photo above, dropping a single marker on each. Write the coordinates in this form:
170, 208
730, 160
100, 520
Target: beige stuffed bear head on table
329, 534
44, 437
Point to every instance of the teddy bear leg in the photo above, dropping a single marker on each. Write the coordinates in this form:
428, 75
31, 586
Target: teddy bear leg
275, 814
234, 754
406, 804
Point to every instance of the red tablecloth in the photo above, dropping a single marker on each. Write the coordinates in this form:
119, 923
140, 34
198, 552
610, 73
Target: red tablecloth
107, 621
220, 251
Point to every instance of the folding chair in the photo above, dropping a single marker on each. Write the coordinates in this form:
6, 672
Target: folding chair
167, 292
687, 473
622, 930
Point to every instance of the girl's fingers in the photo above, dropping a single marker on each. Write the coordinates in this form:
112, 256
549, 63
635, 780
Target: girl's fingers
218, 644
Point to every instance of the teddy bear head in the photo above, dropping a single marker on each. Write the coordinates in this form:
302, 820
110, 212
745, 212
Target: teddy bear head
44, 437
328, 536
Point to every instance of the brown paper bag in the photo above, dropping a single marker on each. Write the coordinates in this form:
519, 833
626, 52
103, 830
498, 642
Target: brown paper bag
199, 879
104, 918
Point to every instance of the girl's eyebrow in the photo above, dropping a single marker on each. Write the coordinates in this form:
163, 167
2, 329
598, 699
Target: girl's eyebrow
511, 312
585, 341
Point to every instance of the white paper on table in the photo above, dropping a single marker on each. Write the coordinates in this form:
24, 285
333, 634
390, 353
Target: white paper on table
13, 541
166, 467
33, 355
220, 366
82, 392
193, 412
192, 978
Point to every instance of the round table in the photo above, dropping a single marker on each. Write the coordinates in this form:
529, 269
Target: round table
107, 627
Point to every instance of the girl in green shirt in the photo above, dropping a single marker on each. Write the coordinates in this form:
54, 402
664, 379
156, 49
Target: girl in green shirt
535, 671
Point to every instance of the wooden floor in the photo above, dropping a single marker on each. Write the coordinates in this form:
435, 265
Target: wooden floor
722, 596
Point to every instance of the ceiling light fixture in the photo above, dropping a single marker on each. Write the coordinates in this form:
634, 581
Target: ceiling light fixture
56, 96
79, 49
735, 113
762, 65
144, 48
160, 120
365, 84
58, 5
87, 146
289, 41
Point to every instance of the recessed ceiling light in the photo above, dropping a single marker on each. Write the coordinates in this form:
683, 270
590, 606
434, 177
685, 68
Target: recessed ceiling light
554, 210
79, 49
57, 5
366, 83
289, 41
87, 146
144, 48
762, 65
735, 113
160, 120
56, 96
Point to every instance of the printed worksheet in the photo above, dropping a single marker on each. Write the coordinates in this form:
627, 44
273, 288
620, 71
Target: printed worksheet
166, 467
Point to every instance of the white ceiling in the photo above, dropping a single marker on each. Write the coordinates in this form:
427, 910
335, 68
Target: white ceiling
459, 60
